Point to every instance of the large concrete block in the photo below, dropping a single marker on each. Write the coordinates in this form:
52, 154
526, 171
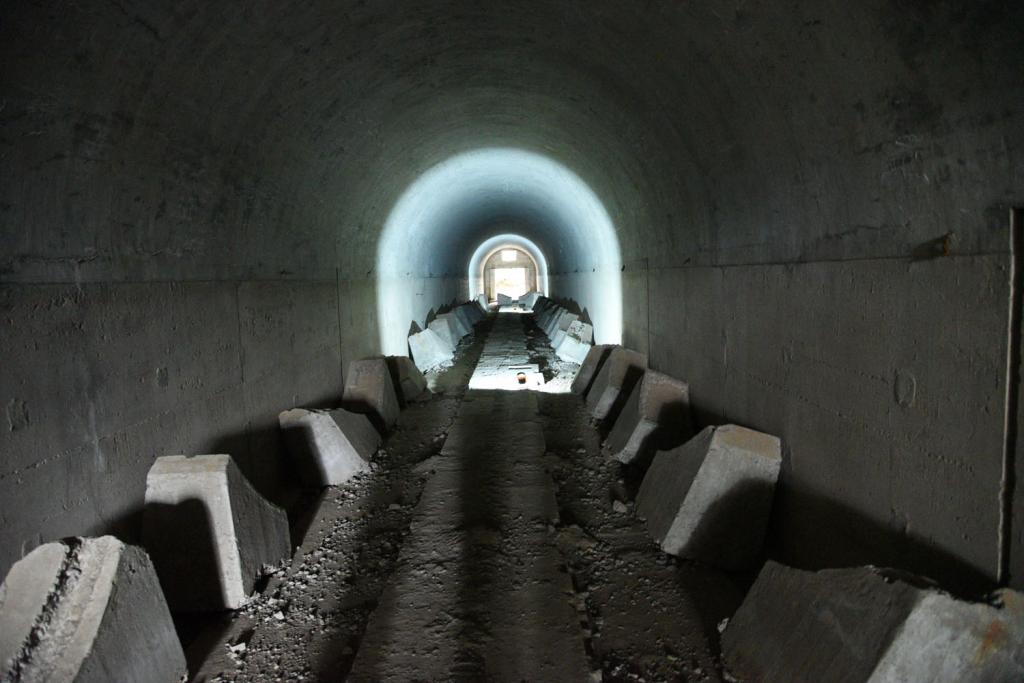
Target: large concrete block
562, 327
410, 384
209, 532
655, 417
620, 371
429, 351
473, 312
589, 369
369, 390
87, 610
710, 498
864, 624
576, 342
945, 639
459, 324
504, 300
529, 300
447, 328
550, 319
462, 313
328, 448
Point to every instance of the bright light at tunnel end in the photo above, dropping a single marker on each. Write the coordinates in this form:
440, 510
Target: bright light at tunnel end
422, 217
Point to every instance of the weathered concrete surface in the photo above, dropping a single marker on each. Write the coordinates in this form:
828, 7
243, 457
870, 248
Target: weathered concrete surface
483, 304
98, 388
655, 417
473, 312
410, 384
552, 318
618, 374
460, 326
462, 313
479, 592
881, 470
429, 350
209, 532
945, 639
576, 343
328, 447
370, 390
445, 327
710, 499
589, 369
562, 327
504, 299
864, 624
87, 610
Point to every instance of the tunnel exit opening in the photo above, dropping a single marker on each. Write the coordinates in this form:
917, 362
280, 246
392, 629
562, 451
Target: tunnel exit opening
430, 232
510, 271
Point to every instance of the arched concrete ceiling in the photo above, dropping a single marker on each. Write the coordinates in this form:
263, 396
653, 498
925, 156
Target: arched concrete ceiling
453, 206
259, 135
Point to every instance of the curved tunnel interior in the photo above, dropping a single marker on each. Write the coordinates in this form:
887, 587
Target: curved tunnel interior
209, 210
491, 251
448, 212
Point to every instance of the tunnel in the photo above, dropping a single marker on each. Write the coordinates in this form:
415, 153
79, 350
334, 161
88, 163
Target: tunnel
807, 212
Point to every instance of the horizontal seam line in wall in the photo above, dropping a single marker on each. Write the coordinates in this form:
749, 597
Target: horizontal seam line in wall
754, 264
198, 281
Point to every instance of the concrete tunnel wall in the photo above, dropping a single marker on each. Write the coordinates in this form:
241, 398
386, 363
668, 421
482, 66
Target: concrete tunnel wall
810, 199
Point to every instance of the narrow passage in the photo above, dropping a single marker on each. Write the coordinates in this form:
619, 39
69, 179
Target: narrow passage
480, 591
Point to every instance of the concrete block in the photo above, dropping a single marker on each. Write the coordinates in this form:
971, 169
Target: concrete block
463, 315
447, 328
866, 624
472, 312
554, 324
482, 302
410, 384
562, 327
622, 369
369, 390
328, 448
458, 324
209, 532
529, 300
551, 317
710, 498
576, 342
88, 610
945, 639
590, 368
429, 351
655, 417
504, 300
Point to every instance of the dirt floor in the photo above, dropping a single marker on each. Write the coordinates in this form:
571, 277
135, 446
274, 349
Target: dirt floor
491, 541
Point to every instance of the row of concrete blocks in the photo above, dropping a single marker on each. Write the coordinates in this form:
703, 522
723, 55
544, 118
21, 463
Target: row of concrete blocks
435, 346
709, 499
705, 497
571, 338
329, 447
95, 609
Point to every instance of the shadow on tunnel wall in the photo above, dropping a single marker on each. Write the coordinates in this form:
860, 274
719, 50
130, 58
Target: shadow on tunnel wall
180, 541
824, 533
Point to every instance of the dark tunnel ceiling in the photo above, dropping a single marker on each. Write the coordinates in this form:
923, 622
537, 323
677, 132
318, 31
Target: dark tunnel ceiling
247, 139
